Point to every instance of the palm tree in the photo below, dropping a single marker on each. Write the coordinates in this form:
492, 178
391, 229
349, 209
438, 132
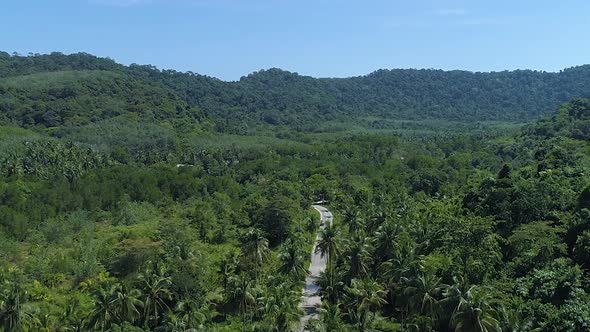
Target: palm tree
156, 294
403, 266
331, 289
244, 293
46, 323
292, 260
378, 216
227, 268
419, 323
15, 313
513, 320
331, 317
359, 255
423, 294
73, 319
475, 313
255, 245
189, 312
310, 225
328, 244
129, 303
452, 294
174, 323
105, 311
279, 306
385, 240
354, 220
364, 297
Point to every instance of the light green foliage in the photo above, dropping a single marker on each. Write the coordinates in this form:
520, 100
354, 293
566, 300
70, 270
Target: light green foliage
130, 199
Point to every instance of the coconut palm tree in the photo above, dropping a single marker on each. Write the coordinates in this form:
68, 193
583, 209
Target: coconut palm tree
419, 323
45, 323
403, 266
475, 312
358, 255
385, 240
129, 303
423, 294
453, 293
354, 220
73, 319
15, 313
243, 292
188, 311
331, 317
106, 307
256, 246
227, 268
173, 323
156, 294
328, 244
364, 297
331, 289
292, 260
278, 307
378, 215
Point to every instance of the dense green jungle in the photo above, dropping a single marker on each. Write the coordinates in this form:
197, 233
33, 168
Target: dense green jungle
139, 199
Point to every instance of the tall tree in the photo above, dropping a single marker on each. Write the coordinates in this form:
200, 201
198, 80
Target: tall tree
364, 298
475, 312
244, 292
15, 313
292, 259
129, 303
106, 307
156, 294
255, 247
328, 244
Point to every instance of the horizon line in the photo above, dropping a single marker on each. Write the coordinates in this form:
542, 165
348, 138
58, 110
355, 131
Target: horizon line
190, 72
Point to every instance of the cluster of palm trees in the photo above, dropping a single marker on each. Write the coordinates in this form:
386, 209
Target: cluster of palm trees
260, 289
149, 302
15, 313
376, 273
264, 294
45, 158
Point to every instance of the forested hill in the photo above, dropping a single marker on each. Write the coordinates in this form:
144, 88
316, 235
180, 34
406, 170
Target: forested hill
123, 209
276, 97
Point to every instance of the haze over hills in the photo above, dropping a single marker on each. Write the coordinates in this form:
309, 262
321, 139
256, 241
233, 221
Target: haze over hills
272, 97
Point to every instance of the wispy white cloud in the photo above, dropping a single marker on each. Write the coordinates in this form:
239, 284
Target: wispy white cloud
451, 12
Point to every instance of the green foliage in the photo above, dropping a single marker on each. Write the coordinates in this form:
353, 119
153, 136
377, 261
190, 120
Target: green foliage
125, 207
60, 85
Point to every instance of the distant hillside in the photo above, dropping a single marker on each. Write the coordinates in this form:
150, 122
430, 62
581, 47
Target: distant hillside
276, 97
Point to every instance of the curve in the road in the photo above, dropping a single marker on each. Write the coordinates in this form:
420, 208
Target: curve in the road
310, 301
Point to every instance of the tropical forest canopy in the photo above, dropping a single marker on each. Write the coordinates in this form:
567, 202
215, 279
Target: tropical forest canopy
136, 199
58, 85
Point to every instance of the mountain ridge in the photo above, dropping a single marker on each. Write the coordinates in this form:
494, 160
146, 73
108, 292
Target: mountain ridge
275, 97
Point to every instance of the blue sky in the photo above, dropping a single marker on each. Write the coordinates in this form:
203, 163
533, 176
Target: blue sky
322, 38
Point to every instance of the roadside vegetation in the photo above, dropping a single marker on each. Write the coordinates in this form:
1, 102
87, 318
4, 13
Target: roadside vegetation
127, 204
